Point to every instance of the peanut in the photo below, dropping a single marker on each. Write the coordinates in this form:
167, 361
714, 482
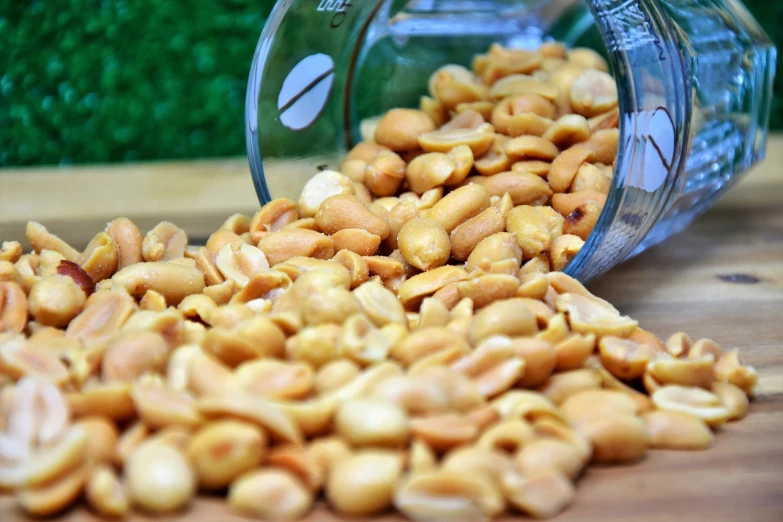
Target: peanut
272, 494
368, 422
400, 128
225, 450
363, 484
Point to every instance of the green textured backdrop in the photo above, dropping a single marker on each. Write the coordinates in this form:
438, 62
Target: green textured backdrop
85, 81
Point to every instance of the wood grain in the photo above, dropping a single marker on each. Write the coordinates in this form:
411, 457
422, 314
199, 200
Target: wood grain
721, 278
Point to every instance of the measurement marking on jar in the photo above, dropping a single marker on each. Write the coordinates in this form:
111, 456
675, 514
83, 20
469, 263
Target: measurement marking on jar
338, 7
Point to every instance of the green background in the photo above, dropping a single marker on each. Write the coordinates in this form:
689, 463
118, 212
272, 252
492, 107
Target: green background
86, 81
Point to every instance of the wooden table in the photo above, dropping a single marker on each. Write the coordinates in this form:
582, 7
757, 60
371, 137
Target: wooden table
722, 278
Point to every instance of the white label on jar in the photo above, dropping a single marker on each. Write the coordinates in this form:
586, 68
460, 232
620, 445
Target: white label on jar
653, 137
305, 91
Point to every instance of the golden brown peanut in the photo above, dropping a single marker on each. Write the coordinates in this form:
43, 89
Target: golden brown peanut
463, 159
484, 108
398, 216
364, 151
103, 438
516, 84
355, 171
315, 345
130, 439
573, 351
131, 354
384, 174
357, 267
272, 494
531, 147
433, 313
616, 437
594, 92
105, 493
541, 496
544, 456
421, 458
587, 58
424, 243
540, 360
733, 397
561, 386
425, 342
495, 159
677, 431
282, 245
537, 167
603, 146
564, 168
13, 308
508, 317
328, 452
701, 403
272, 216
531, 230
9, 274
152, 301
686, 372
328, 305
249, 339
164, 242
459, 206
390, 271
434, 109
524, 188
260, 411
493, 367
731, 369
582, 220
363, 484
486, 289
356, 240
497, 247
345, 211
453, 84
55, 496
443, 432
236, 223
275, 379
416, 288
99, 259
399, 129
379, 304
172, 281
568, 203
429, 171
704, 348
108, 400
127, 237
335, 374
463, 394
534, 286
224, 450
590, 177
370, 422
19, 358
563, 249
414, 393
624, 358
586, 404
507, 436
42, 239
159, 406
586, 315
299, 462
448, 495
607, 120
159, 478
568, 130
10, 251
479, 139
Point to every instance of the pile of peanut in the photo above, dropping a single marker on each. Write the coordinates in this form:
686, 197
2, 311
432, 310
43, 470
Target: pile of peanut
401, 337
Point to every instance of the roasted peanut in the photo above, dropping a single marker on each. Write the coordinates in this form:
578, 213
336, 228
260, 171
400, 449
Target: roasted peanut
363, 484
13, 308
224, 450
507, 317
677, 431
105, 493
703, 404
272, 493
384, 174
424, 243
448, 495
399, 129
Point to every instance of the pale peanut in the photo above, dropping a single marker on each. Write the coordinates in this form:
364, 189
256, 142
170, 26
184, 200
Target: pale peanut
677, 431
364, 483
271, 493
367, 422
224, 450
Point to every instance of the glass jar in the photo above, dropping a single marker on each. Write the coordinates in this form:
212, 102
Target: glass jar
694, 79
